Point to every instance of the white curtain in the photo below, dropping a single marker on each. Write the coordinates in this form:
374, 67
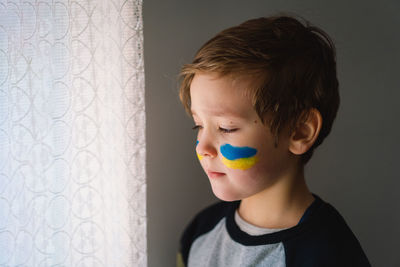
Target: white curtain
72, 133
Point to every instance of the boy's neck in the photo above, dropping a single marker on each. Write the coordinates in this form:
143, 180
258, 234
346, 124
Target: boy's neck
280, 206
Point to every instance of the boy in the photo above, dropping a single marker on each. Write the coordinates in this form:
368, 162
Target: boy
263, 96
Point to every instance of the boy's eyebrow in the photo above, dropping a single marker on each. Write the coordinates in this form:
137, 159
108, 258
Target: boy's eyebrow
219, 113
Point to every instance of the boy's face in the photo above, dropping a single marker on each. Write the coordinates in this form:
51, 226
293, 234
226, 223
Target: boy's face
235, 149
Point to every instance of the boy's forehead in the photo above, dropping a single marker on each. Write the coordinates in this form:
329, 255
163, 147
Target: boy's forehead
222, 108
220, 96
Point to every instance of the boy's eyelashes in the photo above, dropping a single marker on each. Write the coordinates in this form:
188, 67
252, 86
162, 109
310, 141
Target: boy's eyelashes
227, 130
198, 127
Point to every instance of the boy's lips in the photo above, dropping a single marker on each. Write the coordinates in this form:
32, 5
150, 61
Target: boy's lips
213, 174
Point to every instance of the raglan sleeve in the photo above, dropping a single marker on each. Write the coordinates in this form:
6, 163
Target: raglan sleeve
203, 222
185, 243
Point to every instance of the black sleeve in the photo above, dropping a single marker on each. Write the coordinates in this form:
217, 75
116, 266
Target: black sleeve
330, 242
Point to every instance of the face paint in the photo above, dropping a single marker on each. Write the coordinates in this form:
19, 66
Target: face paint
241, 158
200, 157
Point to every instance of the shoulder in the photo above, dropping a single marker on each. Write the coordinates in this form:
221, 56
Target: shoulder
327, 240
202, 223
205, 220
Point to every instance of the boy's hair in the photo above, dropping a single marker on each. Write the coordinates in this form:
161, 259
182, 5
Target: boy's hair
293, 64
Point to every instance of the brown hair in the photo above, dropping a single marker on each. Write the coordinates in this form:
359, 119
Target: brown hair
294, 64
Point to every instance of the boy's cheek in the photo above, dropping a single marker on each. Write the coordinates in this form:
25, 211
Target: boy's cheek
238, 157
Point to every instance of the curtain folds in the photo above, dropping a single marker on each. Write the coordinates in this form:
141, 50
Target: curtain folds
72, 133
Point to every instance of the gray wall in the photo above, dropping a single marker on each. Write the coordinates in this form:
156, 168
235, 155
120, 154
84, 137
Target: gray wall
355, 169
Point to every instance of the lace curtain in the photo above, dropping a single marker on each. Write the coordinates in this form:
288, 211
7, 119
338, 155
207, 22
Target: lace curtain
72, 133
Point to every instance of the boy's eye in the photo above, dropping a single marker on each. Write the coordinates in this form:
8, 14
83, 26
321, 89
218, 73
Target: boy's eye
227, 130
197, 127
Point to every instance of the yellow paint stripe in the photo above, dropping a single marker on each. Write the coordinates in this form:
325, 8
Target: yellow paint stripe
241, 164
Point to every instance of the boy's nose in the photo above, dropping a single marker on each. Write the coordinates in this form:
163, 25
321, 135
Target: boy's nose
206, 149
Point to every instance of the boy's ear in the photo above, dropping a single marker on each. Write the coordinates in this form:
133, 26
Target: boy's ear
306, 133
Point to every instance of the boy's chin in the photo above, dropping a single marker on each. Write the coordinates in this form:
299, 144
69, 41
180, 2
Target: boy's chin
226, 196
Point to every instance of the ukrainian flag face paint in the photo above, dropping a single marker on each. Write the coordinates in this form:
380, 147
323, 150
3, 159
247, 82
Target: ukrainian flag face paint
200, 157
241, 158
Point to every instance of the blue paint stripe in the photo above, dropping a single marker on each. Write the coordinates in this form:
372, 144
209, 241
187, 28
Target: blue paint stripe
232, 152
